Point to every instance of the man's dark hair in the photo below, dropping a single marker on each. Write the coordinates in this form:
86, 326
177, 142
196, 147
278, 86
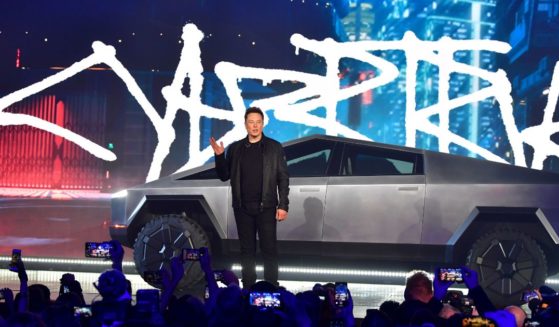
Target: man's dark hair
254, 110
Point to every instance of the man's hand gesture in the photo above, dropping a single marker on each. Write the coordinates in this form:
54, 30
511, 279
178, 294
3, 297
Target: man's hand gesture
218, 148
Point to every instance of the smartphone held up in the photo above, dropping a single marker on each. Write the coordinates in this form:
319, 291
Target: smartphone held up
450, 275
191, 254
265, 300
98, 250
16, 257
342, 294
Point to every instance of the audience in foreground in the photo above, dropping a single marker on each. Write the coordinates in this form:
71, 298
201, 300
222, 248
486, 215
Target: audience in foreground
426, 303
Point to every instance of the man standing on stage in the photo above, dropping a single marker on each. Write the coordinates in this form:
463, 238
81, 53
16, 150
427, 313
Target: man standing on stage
257, 170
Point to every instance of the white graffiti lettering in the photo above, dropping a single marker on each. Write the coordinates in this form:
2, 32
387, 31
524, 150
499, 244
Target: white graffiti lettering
318, 91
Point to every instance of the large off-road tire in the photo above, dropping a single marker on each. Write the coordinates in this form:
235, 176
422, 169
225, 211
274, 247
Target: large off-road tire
507, 262
163, 238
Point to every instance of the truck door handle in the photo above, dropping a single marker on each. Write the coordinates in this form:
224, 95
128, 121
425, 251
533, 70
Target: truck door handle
307, 189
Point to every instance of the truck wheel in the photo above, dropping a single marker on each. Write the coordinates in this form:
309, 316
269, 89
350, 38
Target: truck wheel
163, 238
507, 262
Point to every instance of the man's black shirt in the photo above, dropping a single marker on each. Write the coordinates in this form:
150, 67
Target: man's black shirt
251, 173
275, 177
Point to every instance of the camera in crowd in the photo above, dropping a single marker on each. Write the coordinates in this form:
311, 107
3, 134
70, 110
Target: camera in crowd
461, 302
450, 275
189, 254
82, 312
265, 300
68, 284
341, 294
100, 250
153, 277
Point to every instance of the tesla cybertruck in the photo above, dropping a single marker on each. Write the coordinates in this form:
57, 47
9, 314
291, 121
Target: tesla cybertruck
355, 201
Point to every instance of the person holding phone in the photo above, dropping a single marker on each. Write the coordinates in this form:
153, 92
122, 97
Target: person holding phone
16, 265
419, 301
257, 170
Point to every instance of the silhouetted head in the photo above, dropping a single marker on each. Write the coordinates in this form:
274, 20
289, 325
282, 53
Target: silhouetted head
376, 318
187, 311
111, 285
312, 303
39, 297
418, 287
263, 287
25, 319
390, 308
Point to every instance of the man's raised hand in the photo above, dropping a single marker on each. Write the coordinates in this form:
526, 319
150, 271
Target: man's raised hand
218, 148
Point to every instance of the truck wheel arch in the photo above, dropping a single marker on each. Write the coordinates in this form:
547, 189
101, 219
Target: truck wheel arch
194, 207
482, 220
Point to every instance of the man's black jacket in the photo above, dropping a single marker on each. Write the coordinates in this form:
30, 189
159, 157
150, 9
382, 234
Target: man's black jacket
275, 179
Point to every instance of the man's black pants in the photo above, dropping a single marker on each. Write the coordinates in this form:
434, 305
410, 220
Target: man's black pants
250, 221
